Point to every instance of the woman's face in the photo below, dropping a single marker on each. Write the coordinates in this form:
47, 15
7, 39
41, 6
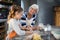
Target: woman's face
32, 11
19, 15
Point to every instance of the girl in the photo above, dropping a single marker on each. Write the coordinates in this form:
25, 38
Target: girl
14, 16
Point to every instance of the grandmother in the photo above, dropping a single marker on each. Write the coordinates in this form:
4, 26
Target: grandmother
28, 19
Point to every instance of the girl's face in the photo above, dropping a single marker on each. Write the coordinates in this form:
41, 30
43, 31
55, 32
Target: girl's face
32, 11
19, 15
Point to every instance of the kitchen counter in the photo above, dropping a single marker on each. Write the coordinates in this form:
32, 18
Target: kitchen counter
47, 35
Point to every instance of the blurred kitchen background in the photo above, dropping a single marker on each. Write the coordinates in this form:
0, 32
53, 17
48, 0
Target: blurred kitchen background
46, 15
49, 12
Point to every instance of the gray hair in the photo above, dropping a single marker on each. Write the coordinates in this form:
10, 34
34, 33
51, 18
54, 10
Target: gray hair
34, 6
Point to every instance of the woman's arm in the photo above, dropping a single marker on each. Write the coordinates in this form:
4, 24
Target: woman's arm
26, 28
36, 28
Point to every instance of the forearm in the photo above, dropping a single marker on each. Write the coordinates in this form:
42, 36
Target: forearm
28, 32
34, 28
23, 28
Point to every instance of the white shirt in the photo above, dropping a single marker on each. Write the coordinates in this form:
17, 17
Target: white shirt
14, 25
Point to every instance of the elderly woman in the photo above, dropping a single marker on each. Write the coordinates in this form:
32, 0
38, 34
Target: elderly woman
29, 18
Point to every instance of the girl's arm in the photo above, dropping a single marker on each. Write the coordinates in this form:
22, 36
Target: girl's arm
16, 28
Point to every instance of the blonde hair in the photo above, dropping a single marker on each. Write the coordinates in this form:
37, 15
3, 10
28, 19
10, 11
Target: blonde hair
15, 8
34, 6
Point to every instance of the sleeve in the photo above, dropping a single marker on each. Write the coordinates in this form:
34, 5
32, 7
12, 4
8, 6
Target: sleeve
17, 29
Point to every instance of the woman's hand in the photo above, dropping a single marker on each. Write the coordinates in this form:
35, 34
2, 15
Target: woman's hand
38, 28
29, 32
29, 28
